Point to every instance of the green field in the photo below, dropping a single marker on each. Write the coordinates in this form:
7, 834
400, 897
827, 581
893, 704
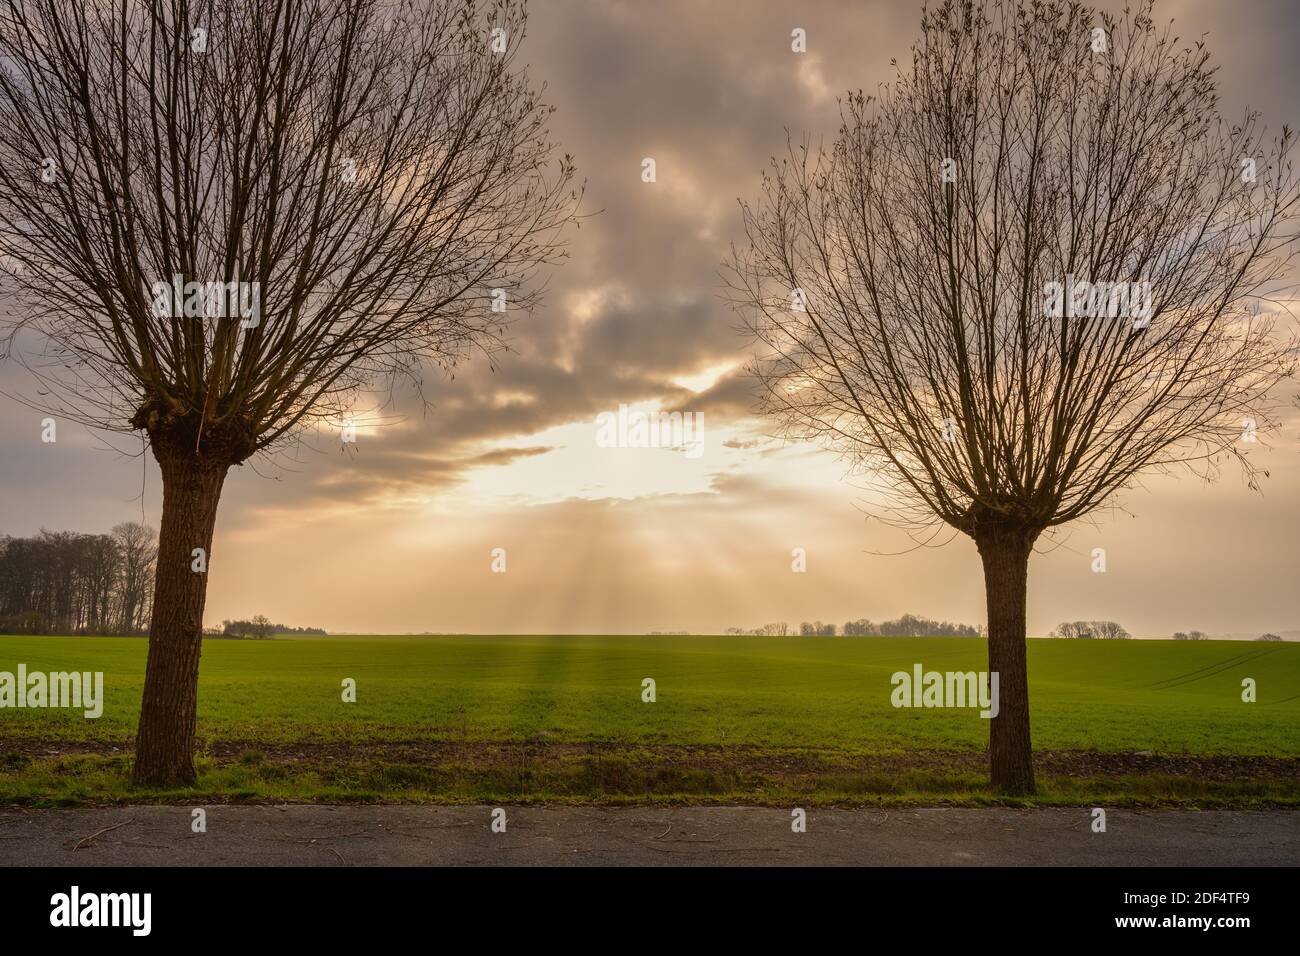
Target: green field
741, 718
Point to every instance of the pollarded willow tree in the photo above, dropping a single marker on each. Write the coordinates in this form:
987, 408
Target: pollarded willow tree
1036, 267
224, 218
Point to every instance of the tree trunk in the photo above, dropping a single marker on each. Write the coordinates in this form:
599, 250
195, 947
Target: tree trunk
164, 747
1005, 553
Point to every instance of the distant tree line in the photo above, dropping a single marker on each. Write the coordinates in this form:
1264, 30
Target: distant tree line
1202, 636
909, 625
64, 582
776, 629
1091, 630
258, 628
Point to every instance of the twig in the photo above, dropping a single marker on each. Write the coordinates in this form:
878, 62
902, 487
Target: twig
86, 840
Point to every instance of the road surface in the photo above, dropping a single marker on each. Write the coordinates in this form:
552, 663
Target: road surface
578, 836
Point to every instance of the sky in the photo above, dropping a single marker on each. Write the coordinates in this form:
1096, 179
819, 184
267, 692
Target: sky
397, 533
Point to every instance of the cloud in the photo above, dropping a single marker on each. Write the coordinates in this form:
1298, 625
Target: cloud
394, 533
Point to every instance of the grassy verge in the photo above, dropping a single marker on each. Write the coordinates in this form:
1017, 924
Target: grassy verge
524, 773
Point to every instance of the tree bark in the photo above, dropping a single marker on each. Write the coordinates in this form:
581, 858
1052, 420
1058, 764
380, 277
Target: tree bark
1005, 553
164, 748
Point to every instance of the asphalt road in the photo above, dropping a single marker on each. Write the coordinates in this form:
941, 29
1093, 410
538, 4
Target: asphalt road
584, 836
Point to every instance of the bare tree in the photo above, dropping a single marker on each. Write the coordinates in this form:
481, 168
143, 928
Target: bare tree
1035, 268
103, 564
138, 546
226, 217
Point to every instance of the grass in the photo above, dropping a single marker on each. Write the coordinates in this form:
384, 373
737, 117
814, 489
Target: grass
763, 720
